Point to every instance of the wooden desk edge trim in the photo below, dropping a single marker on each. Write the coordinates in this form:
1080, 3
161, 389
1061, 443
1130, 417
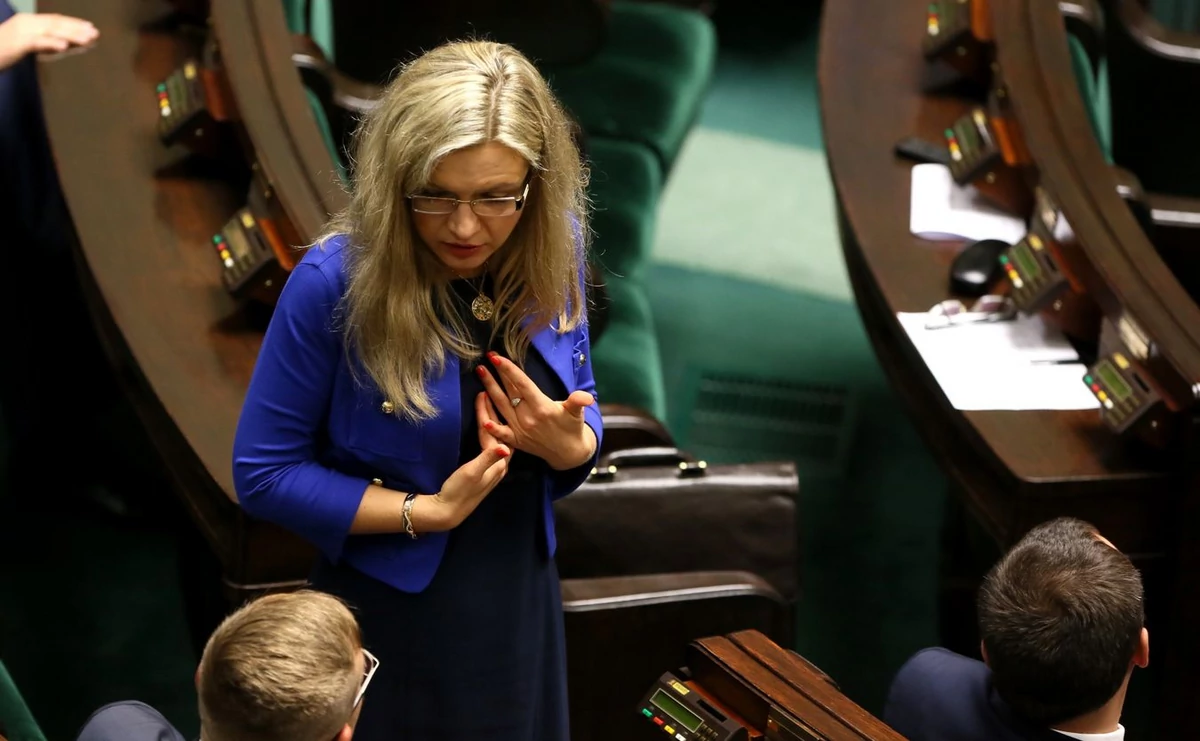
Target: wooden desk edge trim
1016, 29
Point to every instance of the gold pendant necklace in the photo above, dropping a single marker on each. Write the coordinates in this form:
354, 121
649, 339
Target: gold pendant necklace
482, 307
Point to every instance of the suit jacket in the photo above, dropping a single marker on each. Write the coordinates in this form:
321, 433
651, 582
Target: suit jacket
31, 205
311, 437
939, 695
128, 721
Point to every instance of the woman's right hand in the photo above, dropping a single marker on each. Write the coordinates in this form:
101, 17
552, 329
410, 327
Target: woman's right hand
467, 486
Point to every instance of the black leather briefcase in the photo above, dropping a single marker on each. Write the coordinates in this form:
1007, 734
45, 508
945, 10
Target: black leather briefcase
659, 510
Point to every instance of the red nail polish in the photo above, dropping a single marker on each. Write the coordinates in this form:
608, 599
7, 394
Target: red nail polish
494, 357
481, 371
488, 425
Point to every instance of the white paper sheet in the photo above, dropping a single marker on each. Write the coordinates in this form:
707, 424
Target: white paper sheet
1017, 365
943, 210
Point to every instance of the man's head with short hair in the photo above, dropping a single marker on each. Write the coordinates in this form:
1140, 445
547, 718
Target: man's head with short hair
285, 667
1061, 617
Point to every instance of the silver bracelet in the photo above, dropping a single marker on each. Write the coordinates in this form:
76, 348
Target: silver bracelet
406, 515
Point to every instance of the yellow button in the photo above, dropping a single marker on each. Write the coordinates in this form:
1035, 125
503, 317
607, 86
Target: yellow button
1120, 360
669, 729
387, 407
377, 482
1102, 395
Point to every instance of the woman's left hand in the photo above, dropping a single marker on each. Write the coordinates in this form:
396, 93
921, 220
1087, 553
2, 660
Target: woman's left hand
522, 417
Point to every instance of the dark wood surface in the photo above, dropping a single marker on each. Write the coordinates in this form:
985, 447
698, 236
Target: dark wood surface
1017, 468
1131, 280
747, 673
258, 64
1014, 469
144, 216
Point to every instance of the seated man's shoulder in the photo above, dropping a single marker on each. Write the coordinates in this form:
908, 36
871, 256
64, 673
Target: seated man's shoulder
939, 694
128, 721
941, 664
934, 672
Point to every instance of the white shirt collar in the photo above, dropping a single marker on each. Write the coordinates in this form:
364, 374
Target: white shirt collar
1117, 735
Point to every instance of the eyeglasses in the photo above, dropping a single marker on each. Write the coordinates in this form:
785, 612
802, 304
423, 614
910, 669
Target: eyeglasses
372, 664
488, 207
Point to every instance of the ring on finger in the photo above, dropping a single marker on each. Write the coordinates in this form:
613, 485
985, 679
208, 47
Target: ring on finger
515, 401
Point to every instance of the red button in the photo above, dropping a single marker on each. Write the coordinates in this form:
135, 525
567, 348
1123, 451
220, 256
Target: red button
658, 721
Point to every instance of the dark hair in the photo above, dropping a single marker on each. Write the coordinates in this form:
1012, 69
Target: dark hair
1061, 616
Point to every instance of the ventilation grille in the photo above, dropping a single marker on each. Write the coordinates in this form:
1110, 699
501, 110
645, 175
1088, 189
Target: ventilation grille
746, 419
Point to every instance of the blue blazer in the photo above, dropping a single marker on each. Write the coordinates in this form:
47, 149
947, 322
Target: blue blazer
939, 695
311, 438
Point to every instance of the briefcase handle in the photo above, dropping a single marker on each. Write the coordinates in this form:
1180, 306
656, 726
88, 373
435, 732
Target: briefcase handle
648, 457
655, 456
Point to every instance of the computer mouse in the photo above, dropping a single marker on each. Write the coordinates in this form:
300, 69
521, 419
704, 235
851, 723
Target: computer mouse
977, 268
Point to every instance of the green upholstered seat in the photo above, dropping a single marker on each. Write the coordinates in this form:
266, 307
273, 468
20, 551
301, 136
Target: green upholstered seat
626, 358
1093, 88
15, 718
648, 82
317, 25
626, 183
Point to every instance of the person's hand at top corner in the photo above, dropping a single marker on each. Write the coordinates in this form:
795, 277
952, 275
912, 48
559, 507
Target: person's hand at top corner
42, 33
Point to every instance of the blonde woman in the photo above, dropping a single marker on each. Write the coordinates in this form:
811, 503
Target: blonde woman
425, 392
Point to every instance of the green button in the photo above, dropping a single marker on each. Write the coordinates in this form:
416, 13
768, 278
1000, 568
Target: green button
1087, 379
647, 713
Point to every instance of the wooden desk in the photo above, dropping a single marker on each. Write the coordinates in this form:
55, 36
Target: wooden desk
145, 215
1015, 468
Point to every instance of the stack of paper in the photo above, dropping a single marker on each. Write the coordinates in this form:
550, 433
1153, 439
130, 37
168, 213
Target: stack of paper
941, 209
1017, 365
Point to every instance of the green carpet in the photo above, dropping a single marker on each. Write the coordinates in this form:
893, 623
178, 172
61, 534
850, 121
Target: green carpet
870, 513
745, 206
752, 303
91, 603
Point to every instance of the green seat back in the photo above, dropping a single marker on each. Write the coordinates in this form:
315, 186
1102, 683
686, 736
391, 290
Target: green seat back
318, 112
1093, 88
15, 717
626, 183
317, 25
648, 82
626, 358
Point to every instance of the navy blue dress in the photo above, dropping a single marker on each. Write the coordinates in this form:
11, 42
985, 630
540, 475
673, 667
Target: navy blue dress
479, 655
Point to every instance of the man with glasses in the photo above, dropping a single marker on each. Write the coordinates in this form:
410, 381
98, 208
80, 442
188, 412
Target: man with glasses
285, 667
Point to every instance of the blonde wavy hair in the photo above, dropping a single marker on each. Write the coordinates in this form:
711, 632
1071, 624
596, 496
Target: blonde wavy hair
281, 668
397, 314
